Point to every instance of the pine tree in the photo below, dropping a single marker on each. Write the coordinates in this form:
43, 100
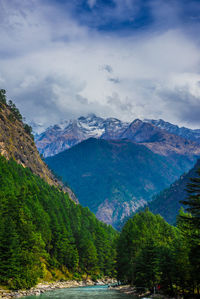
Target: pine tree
192, 227
193, 203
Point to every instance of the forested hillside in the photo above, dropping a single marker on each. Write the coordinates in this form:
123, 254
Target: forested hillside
114, 177
44, 234
167, 202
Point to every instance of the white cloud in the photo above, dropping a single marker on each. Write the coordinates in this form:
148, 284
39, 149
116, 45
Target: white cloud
52, 68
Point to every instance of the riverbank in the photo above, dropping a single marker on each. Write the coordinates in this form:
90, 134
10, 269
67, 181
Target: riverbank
129, 290
46, 286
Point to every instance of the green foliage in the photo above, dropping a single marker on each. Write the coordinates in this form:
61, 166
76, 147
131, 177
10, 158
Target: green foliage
150, 252
189, 224
28, 130
139, 247
15, 111
3, 96
39, 223
193, 203
173, 197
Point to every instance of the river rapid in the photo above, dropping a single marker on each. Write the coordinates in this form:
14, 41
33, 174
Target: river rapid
92, 292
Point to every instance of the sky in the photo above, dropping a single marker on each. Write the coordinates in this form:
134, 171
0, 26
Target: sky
60, 59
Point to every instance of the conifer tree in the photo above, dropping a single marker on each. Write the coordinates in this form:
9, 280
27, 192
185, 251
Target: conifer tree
191, 224
193, 203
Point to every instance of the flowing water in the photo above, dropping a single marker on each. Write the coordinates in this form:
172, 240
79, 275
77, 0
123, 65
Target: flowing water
94, 292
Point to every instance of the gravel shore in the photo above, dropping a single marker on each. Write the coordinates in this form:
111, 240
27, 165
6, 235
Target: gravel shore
129, 290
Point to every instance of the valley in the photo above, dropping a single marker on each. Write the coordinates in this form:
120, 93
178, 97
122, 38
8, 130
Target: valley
99, 149
115, 168
46, 235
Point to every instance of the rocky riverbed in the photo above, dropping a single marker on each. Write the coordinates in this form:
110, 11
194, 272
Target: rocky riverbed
45, 286
129, 290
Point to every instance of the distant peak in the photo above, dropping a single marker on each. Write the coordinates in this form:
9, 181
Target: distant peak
137, 121
91, 115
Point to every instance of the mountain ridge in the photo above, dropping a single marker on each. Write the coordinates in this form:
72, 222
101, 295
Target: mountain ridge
62, 136
191, 134
159, 139
167, 203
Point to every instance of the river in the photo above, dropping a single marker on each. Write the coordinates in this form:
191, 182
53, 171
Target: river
93, 292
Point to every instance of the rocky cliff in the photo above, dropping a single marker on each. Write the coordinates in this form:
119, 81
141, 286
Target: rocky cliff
16, 142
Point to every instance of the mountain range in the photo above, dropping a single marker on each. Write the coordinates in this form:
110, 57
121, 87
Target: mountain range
115, 177
62, 136
116, 167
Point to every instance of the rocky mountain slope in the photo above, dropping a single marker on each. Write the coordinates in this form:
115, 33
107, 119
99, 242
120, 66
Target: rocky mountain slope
114, 178
65, 135
167, 203
16, 142
163, 139
186, 133
157, 138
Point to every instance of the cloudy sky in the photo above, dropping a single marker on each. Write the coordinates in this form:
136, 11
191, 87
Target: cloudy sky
129, 59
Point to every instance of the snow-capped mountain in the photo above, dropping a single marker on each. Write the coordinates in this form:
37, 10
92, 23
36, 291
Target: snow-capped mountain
159, 136
62, 136
119, 158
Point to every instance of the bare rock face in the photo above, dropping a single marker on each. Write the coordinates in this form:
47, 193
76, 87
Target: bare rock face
186, 133
17, 144
159, 140
114, 213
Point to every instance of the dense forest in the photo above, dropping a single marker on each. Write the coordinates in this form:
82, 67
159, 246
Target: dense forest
44, 234
153, 254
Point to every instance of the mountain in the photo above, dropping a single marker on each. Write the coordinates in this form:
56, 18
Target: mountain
167, 203
160, 141
65, 135
177, 151
114, 177
60, 137
186, 133
44, 235
16, 141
